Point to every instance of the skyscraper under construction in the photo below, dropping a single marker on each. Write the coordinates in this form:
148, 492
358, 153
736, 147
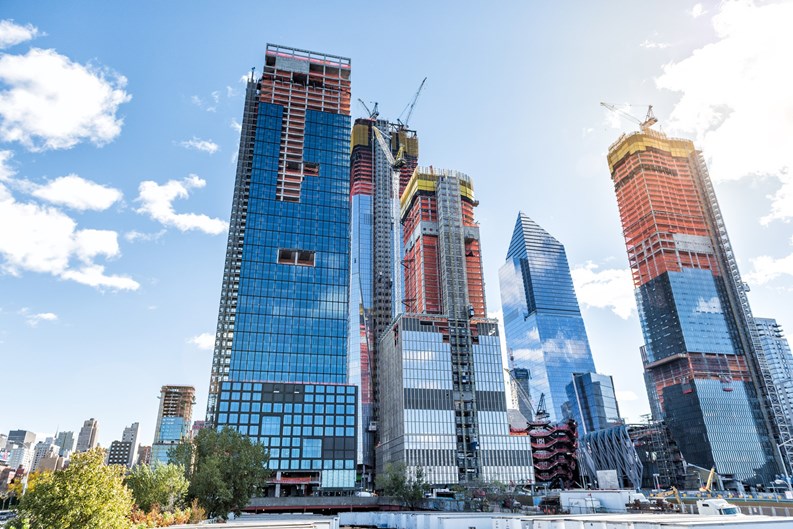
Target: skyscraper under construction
701, 368
280, 365
377, 180
442, 404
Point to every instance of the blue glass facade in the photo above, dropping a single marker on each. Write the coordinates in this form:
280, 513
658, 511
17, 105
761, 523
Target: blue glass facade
361, 324
171, 432
714, 427
305, 427
713, 419
595, 403
543, 324
291, 321
682, 311
280, 371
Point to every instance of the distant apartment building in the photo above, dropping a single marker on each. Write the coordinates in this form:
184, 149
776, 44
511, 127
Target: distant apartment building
776, 354
86, 440
144, 455
130, 436
65, 440
51, 463
21, 456
120, 453
21, 438
174, 420
44, 449
3, 440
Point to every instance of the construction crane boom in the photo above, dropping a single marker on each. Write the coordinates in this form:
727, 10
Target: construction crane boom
649, 119
709, 484
372, 113
411, 105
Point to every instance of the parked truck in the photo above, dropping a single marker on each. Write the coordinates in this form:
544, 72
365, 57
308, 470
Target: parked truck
717, 507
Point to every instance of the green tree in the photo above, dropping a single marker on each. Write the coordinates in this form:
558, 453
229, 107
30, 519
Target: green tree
225, 469
396, 482
163, 485
87, 493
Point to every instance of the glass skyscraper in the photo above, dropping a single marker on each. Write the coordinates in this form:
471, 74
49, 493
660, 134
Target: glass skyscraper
280, 373
546, 337
700, 353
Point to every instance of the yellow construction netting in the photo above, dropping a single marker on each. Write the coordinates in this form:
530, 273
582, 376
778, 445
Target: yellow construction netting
640, 141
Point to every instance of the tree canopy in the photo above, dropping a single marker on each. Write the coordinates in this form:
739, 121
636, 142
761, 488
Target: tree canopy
225, 469
396, 482
161, 485
87, 493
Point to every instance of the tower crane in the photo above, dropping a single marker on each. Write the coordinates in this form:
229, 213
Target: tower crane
372, 113
411, 106
649, 119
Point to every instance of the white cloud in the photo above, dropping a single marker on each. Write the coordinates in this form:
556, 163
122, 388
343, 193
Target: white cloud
78, 193
6, 172
94, 276
649, 44
766, 268
230, 92
697, 11
12, 34
34, 319
205, 341
157, 202
46, 240
54, 103
135, 236
236, 125
735, 97
611, 289
197, 144
202, 104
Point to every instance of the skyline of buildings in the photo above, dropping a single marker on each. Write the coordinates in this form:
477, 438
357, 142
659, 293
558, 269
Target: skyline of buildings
292, 174
701, 345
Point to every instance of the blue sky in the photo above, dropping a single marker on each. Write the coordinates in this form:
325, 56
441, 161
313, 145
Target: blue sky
118, 135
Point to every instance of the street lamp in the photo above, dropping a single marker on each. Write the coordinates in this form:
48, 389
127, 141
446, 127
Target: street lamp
782, 460
657, 482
